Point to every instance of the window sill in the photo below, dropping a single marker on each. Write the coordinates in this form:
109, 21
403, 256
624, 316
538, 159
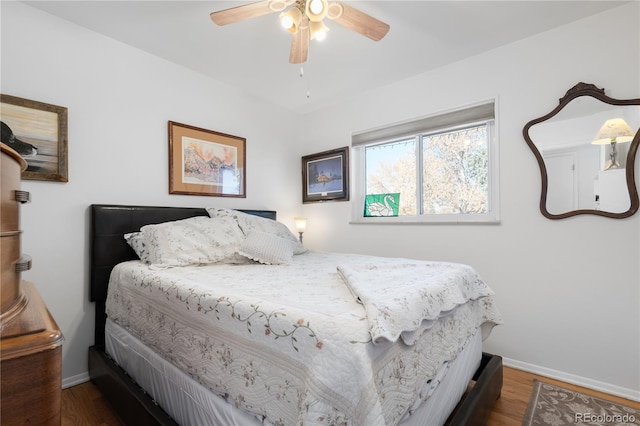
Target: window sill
417, 220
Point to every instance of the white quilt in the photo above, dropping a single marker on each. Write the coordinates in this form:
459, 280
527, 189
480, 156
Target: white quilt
288, 343
403, 299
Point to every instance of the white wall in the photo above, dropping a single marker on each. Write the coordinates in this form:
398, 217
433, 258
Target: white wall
119, 100
566, 309
569, 289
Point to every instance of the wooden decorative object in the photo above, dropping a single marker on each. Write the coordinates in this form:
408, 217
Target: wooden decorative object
11, 301
30, 340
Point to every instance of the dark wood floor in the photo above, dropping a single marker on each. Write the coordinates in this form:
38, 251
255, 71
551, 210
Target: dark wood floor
83, 404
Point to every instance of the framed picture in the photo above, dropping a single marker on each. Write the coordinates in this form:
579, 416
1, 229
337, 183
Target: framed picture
38, 132
325, 176
204, 162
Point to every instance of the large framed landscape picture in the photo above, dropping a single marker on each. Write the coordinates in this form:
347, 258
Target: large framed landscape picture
204, 162
325, 176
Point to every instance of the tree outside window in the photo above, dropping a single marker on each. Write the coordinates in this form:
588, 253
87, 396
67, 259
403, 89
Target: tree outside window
453, 175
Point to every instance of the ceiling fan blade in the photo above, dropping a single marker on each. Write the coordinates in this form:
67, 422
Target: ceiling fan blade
299, 46
241, 13
360, 22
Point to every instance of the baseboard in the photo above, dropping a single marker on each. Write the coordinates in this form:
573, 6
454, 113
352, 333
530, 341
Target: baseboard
75, 380
631, 394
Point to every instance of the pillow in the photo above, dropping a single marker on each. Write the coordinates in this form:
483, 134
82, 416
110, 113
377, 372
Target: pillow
192, 241
249, 223
137, 243
267, 248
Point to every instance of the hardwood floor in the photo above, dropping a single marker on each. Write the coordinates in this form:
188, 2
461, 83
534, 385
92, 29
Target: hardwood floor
516, 391
83, 404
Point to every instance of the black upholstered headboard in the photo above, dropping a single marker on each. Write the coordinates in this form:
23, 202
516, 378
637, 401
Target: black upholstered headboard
108, 248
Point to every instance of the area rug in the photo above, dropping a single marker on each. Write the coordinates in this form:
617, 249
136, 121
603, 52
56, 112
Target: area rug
557, 406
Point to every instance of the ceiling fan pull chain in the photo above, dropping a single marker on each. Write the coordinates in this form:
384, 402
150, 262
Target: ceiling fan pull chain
302, 76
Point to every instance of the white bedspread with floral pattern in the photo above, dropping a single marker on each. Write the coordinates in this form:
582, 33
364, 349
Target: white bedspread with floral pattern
402, 299
289, 343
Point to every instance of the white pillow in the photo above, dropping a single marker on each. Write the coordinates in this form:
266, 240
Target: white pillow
137, 243
267, 248
197, 240
249, 223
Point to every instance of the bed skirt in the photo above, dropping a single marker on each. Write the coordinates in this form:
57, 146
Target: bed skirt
188, 402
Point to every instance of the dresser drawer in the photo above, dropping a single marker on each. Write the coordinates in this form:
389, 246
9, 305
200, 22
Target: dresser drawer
32, 388
30, 364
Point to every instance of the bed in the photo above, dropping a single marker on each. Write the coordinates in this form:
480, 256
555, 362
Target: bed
278, 356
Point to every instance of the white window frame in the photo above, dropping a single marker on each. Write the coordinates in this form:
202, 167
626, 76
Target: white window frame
492, 216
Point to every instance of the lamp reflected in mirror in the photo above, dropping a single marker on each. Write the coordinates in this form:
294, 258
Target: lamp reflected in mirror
613, 132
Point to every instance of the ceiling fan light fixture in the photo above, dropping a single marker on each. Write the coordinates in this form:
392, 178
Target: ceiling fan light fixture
334, 11
304, 24
298, 16
316, 10
316, 6
279, 5
318, 30
290, 20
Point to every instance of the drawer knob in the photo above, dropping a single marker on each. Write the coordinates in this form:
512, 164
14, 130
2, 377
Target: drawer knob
24, 264
22, 196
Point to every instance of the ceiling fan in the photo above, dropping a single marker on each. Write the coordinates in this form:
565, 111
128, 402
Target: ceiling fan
304, 19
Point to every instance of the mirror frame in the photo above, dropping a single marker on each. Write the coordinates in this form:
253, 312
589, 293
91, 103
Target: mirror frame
586, 89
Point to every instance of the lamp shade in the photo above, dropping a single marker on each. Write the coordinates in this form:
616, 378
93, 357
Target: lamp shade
301, 224
614, 130
318, 30
290, 19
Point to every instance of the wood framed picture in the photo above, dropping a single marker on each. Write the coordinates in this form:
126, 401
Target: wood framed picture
325, 176
38, 132
204, 162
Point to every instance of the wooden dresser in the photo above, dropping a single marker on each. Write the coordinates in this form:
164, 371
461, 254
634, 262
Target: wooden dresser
30, 340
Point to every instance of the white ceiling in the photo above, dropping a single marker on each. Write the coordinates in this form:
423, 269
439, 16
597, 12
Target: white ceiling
253, 55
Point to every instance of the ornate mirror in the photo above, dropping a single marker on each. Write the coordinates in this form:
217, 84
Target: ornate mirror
586, 149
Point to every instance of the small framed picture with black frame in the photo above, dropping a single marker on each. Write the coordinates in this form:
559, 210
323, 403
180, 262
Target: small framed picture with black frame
325, 176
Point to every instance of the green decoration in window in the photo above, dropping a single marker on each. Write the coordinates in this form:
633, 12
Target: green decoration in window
381, 204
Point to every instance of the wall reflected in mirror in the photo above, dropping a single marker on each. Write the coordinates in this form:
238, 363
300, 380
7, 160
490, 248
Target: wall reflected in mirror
586, 167
579, 172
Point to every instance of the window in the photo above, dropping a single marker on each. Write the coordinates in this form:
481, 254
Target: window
443, 167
